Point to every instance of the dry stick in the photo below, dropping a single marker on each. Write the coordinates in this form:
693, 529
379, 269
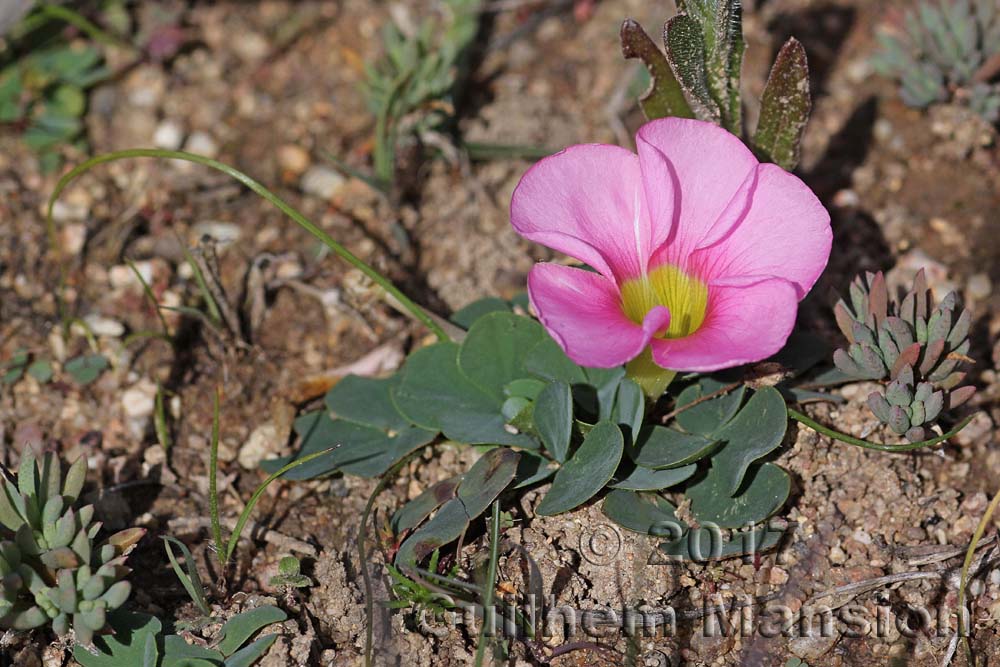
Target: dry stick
258, 531
707, 397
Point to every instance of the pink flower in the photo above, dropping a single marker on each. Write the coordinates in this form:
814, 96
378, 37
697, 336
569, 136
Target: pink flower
701, 251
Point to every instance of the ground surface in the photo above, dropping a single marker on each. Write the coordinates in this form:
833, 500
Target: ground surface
906, 189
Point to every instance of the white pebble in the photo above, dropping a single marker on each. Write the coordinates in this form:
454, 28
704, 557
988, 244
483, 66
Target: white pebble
104, 326
138, 400
261, 443
322, 182
168, 135
202, 143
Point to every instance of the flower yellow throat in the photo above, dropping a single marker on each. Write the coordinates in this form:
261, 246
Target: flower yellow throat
685, 296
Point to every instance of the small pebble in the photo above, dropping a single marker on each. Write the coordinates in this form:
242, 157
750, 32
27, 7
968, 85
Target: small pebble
202, 143
322, 182
980, 287
293, 159
260, 445
138, 400
168, 135
222, 233
104, 326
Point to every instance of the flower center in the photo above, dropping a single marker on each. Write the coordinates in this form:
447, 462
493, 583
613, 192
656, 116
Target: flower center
667, 285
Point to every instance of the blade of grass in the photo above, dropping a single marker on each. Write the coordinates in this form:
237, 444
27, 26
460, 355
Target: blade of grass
84, 25
260, 190
160, 422
148, 291
143, 335
213, 473
241, 522
190, 579
481, 151
88, 333
206, 295
490, 587
963, 581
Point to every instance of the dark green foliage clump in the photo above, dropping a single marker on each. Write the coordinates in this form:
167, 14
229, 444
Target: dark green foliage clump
945, 50
915, 347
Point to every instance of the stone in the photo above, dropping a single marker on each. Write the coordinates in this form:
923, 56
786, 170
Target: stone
320, 181
202, 143
262, 443
168, 135
293, 159
104, 326
138, 401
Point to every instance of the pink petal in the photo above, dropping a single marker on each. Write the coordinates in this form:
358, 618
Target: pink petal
748, 320
587, 202
582, 312
785, 233
692, 171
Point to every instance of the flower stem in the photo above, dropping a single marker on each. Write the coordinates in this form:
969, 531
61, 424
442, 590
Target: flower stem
858, 442
653, 379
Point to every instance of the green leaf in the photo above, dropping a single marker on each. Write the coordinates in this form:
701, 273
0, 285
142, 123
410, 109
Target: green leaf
528, 388
532, 469
664, 97
190, 579
659, 447
366, 401
178, 653
784, 107
436, 395
755, 432
725, 60
586, 472
707, 417
490, 475
605, 382
553, 418
766, 490
548, 361
133, 643
647, 479
467, 316
67, 100
629, 407
359, 450
242, 627
15, 368
86, 368
413, 513
494, 352
41, 370
646, 514
685, 44
487, 479
251, 653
